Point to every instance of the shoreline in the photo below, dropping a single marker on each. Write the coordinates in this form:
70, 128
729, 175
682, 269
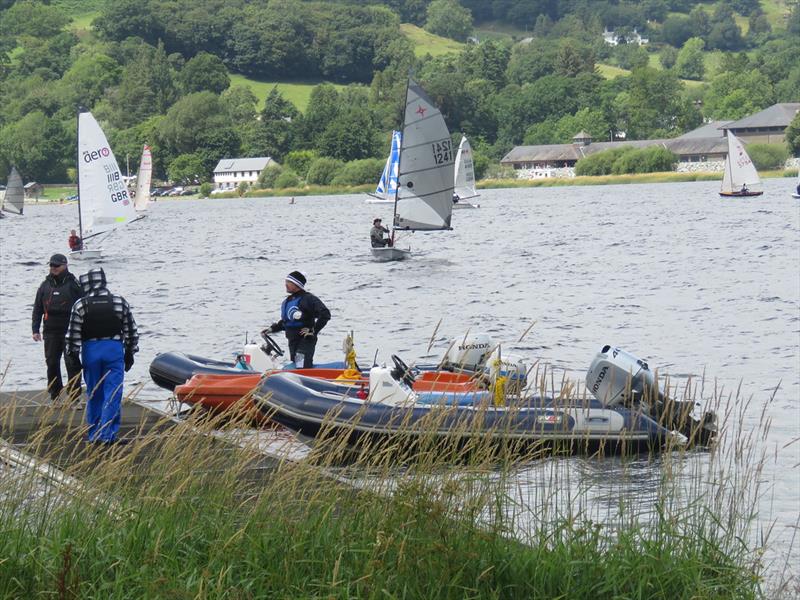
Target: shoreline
483, 184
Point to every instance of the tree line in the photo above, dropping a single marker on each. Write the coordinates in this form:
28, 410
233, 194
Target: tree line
158, 72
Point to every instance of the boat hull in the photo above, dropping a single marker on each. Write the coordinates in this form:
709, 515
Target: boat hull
795, 195
86, 254
460, 205
388, 254
739, 194
322, 409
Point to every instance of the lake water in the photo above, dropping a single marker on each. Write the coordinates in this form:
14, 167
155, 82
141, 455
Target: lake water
670, 272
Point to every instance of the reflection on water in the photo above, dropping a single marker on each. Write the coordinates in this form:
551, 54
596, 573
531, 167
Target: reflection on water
670, 272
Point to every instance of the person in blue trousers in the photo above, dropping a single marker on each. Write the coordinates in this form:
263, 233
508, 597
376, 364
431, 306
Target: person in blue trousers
102, 335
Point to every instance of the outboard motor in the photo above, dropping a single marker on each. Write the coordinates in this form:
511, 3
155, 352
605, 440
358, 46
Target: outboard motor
617, 377
468, 353
511, 366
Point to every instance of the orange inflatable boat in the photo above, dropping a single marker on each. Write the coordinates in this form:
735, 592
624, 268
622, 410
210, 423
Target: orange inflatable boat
233, 393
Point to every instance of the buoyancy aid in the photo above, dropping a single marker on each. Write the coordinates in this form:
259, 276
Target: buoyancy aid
100, 320
289, 310
57, 301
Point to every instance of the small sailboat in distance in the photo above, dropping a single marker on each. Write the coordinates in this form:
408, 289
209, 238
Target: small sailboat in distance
740, 172
143, 179
796, 193
423, 200
464, 185
387, 185
14, 199
103, 200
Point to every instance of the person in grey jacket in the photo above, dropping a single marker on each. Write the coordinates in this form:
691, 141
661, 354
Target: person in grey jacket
51, 309
103, 332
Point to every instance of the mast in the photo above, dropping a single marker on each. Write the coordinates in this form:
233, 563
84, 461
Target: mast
78, 170
399, 157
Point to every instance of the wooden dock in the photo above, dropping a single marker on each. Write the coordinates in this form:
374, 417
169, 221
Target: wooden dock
55, 436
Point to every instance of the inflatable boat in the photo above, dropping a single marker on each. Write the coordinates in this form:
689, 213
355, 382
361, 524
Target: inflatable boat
221, 393
394, 414
626, 414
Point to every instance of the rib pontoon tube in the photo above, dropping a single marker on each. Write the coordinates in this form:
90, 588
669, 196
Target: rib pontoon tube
315, 407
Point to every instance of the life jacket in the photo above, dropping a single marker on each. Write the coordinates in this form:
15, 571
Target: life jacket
58, 300
100, 321
289, 306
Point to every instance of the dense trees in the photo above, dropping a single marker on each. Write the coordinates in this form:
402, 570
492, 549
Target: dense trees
159, 71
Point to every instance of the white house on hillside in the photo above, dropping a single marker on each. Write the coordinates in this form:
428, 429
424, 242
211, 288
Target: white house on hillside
230, 172
612, 38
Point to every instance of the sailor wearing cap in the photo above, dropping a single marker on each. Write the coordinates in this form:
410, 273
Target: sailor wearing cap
376, 235
51, 308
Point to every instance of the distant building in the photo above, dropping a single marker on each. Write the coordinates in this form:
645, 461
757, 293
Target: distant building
612, 38
702, 149
766, 126
230, 172
33, 189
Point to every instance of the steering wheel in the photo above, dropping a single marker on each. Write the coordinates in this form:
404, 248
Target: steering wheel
271, 346
402, 371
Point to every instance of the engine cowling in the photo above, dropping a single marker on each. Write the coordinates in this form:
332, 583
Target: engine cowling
469, 353
617, 377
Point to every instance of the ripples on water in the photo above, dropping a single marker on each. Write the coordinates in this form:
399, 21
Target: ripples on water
671, 272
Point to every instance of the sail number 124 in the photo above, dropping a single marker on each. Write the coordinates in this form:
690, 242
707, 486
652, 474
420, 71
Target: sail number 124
442, 152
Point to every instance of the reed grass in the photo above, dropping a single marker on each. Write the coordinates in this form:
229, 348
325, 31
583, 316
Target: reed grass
181, 513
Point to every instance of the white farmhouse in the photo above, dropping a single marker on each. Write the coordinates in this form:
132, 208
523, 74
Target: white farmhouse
230, 172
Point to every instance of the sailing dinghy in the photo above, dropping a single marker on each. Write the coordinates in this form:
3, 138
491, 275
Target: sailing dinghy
464, 185
14, 200
387, 185
423, 199
740, 172
797, 194
143, 178
103, 200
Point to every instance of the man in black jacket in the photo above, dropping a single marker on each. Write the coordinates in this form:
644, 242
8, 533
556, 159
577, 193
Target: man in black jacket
303, 316
53, 303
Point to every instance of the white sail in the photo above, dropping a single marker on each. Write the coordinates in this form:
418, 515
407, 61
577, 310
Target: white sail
464, 186
424, 199
14, 200
739, 169
143, 178
388, 182
102, 196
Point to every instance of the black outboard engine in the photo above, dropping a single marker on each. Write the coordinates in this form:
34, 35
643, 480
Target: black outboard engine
618, 378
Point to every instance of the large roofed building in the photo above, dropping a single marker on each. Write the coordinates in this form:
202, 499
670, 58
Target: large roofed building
230, 172
702, 149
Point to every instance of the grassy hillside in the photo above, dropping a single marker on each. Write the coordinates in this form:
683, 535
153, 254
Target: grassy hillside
427, 43
296, 92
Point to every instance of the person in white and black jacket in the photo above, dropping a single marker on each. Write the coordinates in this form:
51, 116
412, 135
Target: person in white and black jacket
303, 316
103, 332
51, 309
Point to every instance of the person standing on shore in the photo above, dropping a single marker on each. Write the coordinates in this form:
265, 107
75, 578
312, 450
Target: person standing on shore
303, 316
51, 310
103, 333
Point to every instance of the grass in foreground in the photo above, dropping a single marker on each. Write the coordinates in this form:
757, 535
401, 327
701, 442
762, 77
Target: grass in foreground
181, 514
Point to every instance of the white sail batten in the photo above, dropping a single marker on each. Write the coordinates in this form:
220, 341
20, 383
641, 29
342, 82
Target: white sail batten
143, 179
424, 199
464, 186
103, 198
14, 200
739, 168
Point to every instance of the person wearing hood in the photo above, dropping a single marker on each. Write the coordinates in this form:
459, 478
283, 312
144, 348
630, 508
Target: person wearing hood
103, 335
303, 316
51, 309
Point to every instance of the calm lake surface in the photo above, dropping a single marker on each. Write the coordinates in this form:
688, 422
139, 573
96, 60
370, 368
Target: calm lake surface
670, 272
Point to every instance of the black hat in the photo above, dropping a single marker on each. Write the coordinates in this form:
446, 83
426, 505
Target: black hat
297, 278
58, 259
376, 220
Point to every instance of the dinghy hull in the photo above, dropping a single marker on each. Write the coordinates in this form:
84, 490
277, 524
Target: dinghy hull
390, 254
322, 409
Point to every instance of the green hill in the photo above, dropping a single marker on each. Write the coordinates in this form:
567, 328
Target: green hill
296, 92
